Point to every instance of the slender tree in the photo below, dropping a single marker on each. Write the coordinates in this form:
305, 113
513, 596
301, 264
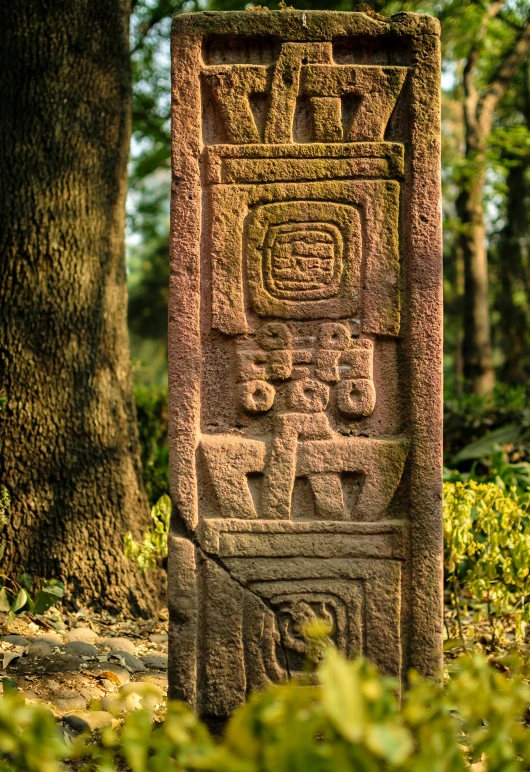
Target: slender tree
69, 452
480, 105
512, 253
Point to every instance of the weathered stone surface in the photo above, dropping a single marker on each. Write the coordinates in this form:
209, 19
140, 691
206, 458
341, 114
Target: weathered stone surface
158, 638
40, 649
81, 649
89, 720
84, 634
54, 639
118, 644
155, 661
16, 640
120, 674
70, 703
305, 347
127, 660
53, 663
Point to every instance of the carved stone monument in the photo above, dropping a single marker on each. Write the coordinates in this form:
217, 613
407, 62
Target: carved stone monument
305, 346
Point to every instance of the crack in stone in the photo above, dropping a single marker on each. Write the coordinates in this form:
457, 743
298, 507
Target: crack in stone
219, 562
191, 537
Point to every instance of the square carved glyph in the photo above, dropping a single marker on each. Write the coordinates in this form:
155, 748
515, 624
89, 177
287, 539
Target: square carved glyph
303, 259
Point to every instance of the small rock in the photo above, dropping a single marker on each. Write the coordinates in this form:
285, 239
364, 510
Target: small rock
113, 705
128, 661
158, 637
83, 634
54, 639
53, 686
55, 663
118, 644
39, 649
81, 649
31, 696
141, 694
91, 693
64, 694
155, 661
88, 719
109, 686
16, 640
75, 702
160, 681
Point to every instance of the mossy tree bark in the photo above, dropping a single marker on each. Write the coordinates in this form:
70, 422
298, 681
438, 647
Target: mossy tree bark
479, 113
69, 452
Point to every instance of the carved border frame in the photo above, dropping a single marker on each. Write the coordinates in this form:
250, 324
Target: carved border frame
421, 316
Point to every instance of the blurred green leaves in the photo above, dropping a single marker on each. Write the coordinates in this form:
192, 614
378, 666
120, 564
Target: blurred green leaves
351, 719
147, 554
487, 555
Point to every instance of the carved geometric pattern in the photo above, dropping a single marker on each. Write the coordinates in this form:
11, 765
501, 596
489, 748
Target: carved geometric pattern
303, 259
319, 456
305, 70
362, 229
304, 365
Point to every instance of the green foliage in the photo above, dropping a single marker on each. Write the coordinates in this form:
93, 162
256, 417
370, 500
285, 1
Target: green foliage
349, 719
154, 545
152, 419
487, 554
27, 595
488, 438
30, 740
470, 417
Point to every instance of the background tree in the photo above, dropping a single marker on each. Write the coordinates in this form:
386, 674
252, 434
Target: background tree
510, 250
485, 79
69, 452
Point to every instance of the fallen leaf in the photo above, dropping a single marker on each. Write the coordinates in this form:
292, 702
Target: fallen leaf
9, 656
110, 676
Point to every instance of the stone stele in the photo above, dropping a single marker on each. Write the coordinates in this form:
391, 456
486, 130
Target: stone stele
305, 347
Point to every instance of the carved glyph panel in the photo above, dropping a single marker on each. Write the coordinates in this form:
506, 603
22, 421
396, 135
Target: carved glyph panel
305, 324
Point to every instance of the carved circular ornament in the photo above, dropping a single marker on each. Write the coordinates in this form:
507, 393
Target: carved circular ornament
256, 396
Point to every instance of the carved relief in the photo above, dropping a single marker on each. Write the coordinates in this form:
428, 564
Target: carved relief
305, 70
296, 321
300, 254
298, 251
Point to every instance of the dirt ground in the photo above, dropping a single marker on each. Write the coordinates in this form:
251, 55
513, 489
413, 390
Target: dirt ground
81, 665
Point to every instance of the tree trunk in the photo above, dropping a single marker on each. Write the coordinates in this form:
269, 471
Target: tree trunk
479, 113
514, 258
514, 270
476, 349
69, 452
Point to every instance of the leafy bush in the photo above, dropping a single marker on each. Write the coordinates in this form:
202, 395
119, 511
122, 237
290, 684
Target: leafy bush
152, 418
488, 438
350, 720
487, 553
154, 545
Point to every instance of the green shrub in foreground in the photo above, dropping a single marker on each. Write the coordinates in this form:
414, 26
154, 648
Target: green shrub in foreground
352, 720
487, 555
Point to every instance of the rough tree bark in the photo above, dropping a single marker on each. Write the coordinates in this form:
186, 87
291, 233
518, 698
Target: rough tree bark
514, 270
479, 113
69, 452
